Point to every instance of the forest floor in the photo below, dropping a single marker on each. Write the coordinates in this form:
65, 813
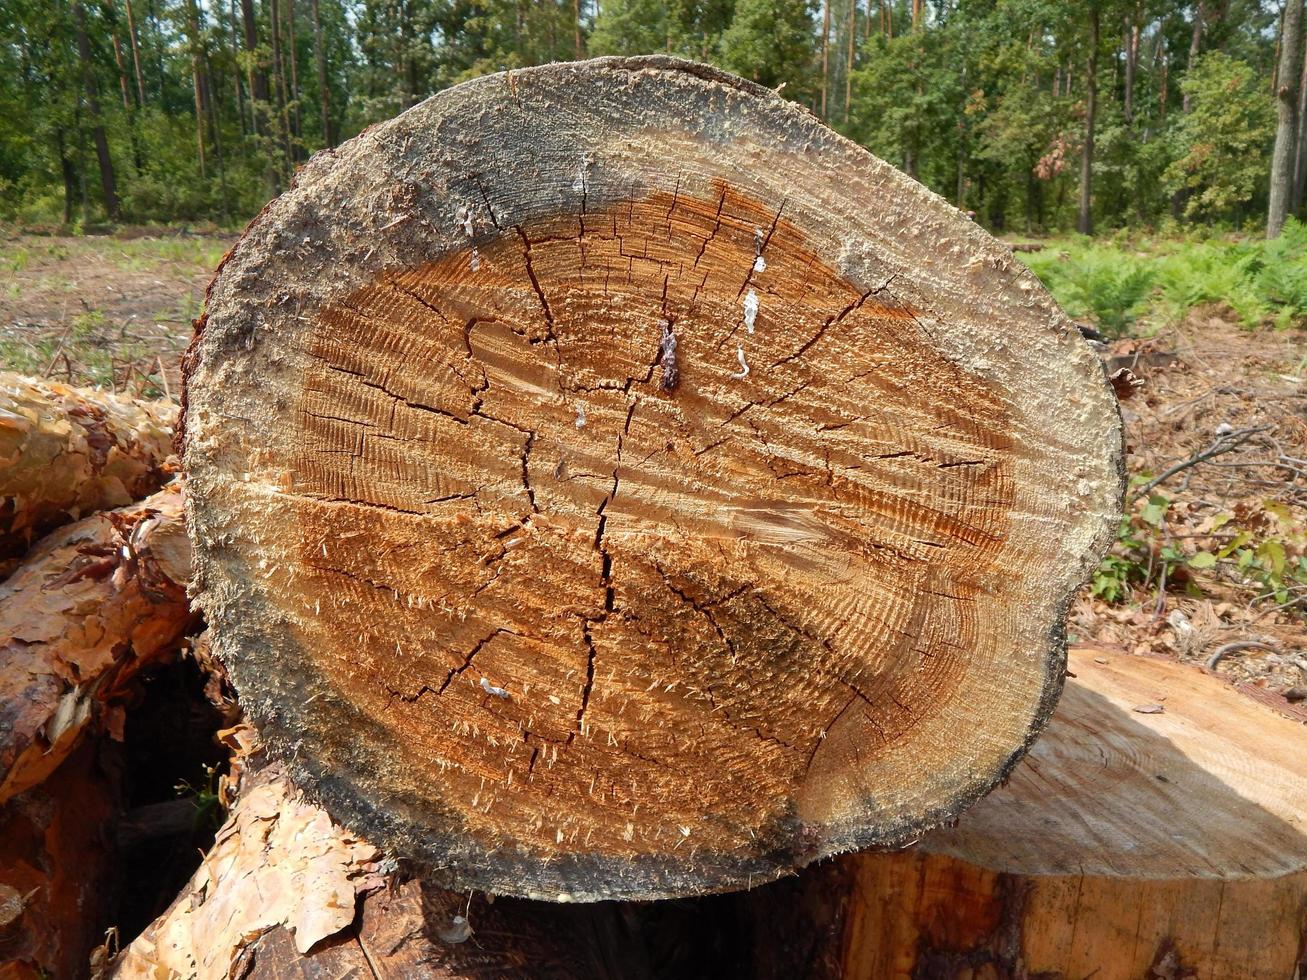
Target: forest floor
1214, 555
107, 311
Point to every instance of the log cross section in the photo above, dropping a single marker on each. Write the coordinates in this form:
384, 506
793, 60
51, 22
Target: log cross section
607, 482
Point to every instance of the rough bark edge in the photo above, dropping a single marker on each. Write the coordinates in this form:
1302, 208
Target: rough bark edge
983, 247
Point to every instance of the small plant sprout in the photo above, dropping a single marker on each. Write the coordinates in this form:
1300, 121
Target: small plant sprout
743, 373
667, 358
496, 692
580, 415
751, 308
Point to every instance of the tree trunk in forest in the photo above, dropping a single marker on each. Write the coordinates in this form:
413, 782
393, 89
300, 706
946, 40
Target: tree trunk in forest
848, 64
324, 94
1299, 195
91, 606
825, 55
279, 80
1085, 220
1195, 45
258, 78
298, 127
1286, 123
1131, 65
136, 53
751, 487
578, 41
66, 452
197, 80
1180, 831
108, 182
122, 74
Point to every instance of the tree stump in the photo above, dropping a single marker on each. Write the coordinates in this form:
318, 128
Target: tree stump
607, 482
1131, 842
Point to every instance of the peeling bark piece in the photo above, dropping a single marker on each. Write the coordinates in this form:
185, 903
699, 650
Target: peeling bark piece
742, 621
1123, 843
66, 452
277, 862
56, 872
92, 605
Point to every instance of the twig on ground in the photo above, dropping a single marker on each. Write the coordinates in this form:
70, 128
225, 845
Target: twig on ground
1222, 445
1226, 648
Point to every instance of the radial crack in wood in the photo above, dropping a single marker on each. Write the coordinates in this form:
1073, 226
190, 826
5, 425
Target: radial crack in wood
511, 603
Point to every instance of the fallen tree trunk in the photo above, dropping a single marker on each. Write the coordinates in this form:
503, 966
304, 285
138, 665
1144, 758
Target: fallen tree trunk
67, 452
1138, 845
56, 878
92, 605
1157, 830
589, 506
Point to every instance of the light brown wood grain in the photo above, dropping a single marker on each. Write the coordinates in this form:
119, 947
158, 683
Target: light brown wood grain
526, 598
1125, 845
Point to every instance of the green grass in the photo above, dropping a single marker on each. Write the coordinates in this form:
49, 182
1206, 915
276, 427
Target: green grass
1139, 285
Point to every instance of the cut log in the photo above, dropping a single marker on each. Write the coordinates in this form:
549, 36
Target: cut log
286, 893
92, 605
1131, 843
608, 482
66, 452
55, 871
1126, 846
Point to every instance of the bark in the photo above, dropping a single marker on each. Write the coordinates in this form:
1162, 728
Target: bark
285, 893
66, 452
1085, 222
1195, 45
1300, 155
825, 55
848, 64
1286, 125
93, 605
136, 54
108, 180
1180, 832
1131, 64
298, 129
197, 80
324, 93
56, 871
279, 80
395, 478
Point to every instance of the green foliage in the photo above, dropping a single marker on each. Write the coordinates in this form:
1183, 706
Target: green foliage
771, 42
1147, 283
1221, 144
981, 100
1257, 546
1100, 282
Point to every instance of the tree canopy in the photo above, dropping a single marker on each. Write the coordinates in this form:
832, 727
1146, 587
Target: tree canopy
189, 110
